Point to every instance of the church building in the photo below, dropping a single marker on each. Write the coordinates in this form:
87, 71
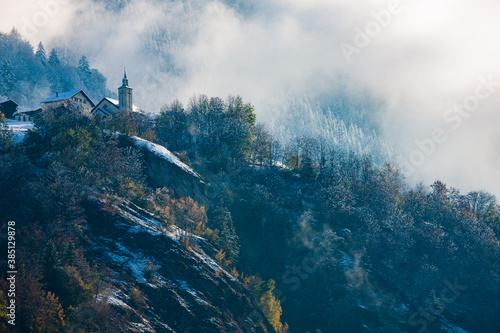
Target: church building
108, 106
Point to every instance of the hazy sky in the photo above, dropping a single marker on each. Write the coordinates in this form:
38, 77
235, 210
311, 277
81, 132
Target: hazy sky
421, 60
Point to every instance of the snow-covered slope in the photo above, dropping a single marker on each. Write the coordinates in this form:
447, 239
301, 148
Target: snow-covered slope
183, 288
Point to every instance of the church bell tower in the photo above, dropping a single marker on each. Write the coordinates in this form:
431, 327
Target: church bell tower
125, 95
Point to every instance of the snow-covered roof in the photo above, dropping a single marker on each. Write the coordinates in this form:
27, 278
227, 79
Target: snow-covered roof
60, 96
27, 111
8, 100
113, 101
67, 95
117, 104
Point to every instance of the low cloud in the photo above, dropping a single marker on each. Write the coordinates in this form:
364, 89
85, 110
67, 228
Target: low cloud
427, 58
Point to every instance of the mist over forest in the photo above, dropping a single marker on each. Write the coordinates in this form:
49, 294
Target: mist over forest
286, 58
296, 166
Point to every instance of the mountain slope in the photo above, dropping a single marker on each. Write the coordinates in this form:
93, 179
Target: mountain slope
183, 288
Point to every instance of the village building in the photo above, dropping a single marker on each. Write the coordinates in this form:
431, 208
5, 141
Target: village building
8, 108
75, 97
26, 115
108, 106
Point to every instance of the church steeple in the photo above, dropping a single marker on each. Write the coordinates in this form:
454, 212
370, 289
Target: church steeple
125, 95
125, 80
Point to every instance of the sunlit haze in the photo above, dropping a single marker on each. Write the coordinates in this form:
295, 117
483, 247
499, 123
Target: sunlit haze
420, 60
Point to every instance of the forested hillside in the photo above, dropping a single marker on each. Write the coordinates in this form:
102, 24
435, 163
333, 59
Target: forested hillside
324, 240
100, 249
29, 76
306, 237
351, 246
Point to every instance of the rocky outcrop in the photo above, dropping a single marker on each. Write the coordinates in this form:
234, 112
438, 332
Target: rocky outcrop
165, 169
160, 284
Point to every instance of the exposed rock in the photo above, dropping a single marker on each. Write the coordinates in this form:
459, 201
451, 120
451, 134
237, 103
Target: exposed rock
182, 288
163, 168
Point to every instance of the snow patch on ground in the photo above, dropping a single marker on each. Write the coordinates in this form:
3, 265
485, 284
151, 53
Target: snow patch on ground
139, 327
117, 258
164, 153
19, 128
207, 260
137, 266
134, 261
185, 286
181, 301
151, 226
212, 264
137, 263
114, 298
176, 233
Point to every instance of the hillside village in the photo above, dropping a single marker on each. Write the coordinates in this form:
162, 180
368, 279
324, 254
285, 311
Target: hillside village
105, 107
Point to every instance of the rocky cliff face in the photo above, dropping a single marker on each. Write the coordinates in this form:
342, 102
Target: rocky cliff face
165, 169
158, 283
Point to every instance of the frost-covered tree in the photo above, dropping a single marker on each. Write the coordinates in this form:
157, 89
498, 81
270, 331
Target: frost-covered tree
7, 76
228, 239
54, 58
172, 127
41, 54
480, 201
262, 152
84, 66
240, 119
84, 71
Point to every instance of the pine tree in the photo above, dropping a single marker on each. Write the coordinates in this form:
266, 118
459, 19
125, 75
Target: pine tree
239, 121
54, 59
8, 77
228, 239
71, 255
15, 33
40, 54
85, 73
52, 262
83, 66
